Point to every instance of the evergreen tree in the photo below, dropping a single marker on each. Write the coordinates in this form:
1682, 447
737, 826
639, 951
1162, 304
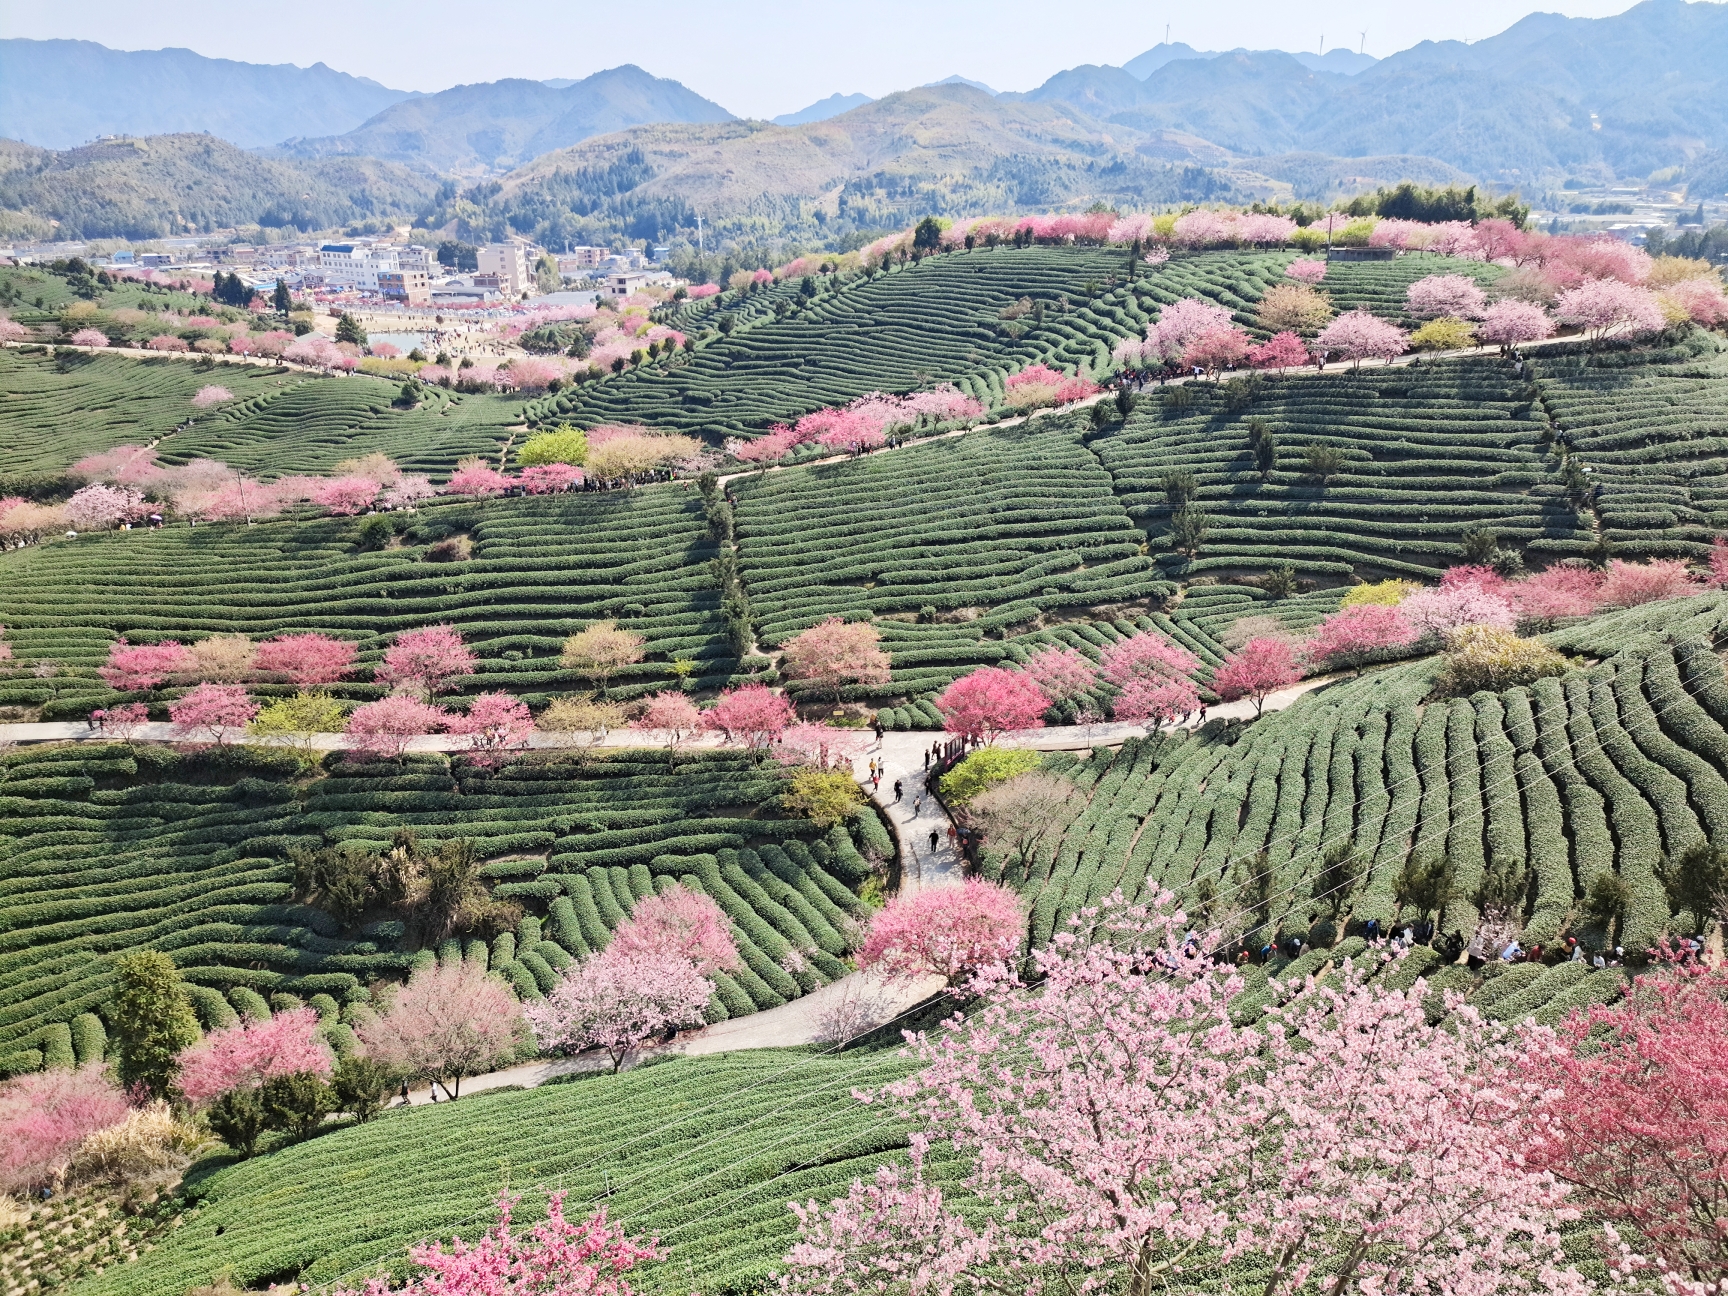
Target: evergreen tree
152, 1020
281, 301
348, 330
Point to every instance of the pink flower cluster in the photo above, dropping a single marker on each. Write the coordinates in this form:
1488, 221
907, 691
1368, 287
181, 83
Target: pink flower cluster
862, 425
1052, 385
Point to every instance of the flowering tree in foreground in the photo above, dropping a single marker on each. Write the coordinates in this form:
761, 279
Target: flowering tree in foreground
1558, 592
476, 479
1354, 630
1157, 1143
345, 496
1152, 677
446, 1024
248, 1054
1258, 667
1308, 272
212, 710
1445, 611
89, 337
496, 722
616, 1000
990, 701
673, 716
832, 654
1061, 674
946, 931
142, 666
1356, 335
429, 658
680, 923
1636, 1115
45, 1115
1457, 295
308, 660
1282, 351
385, 727
100, 508
554, 1258
754, 715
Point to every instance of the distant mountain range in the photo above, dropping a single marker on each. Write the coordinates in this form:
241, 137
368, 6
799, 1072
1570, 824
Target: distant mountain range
61, 93
498, 125
1345, 61
823, 109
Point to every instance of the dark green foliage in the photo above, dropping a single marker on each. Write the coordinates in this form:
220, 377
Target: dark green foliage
296, 1104
348, 329
1697, 882
360, 1087
151, 1019
237, 1118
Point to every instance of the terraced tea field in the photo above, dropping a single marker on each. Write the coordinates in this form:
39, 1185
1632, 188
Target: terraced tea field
938, 321
1427, 454
1653, 430
111, 848
53, 412
1378, 286
1535, 791
540, 569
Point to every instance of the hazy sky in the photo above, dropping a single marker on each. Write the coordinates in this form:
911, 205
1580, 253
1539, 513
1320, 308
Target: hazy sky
755, 57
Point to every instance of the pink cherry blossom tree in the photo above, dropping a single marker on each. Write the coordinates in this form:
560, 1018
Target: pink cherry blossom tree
1632, 584
102, 508
205, 397
166, 342
679, 923
1718, 578
1555, 594
1259, 667
345, 496
1445, 611
212, 710
446, 1024
673, 716
1153, 678
248, 1054
1216, 349
820, 745
122, 721
619, 1000
1183, 322
556, 1258
1156, 1141
948, 931
308, 660
45, 1115
991, 701
1353, 631
1602, 307
1510, 322
476, 479
833, 654
549, 479
387, 726
1061, 674
430, 658
89, 337
141, 666
1701, 300
1357, 336
752, 714
495, 722
1308, 272
1284, 350
1456, 295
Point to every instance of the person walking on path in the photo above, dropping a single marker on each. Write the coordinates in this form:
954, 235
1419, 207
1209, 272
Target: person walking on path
935, 836
896, 789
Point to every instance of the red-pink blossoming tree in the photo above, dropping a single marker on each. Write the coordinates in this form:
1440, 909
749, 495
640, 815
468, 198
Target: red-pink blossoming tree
212, 710
494, 722
948, 931
1061, 674
1152, 677
308, 660
1357, 336
1353, 631
673, 716
45, 1115
1308, 272
476, 479
141, 666
834, 653
1258, 667
1632, 584
991, 701
429, 658
1446, 294
556, 1257
752, 714
244, 1056
387, 726
1510, 322
1445, 611
1284, 350
1559, 592
617, 1000
1608, 306
679, 923
345, 496
446, 1024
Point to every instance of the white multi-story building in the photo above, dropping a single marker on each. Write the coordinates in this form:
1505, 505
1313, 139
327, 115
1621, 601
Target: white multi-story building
509, 263
359, 265
623, 284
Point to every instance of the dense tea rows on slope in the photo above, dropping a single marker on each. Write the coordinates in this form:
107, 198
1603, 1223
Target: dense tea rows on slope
702, 1152
541, 568
53, 412
1429, 453
312, 427
112, 848
1652, 427
1378, 286
1545, 788
1000, 526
